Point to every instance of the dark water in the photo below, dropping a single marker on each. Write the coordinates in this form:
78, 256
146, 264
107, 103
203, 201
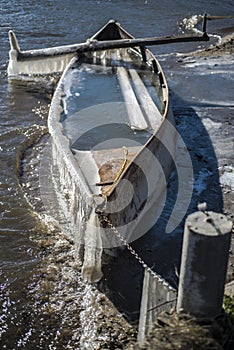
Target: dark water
202, 97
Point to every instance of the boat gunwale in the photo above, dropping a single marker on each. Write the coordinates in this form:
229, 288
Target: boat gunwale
55, 127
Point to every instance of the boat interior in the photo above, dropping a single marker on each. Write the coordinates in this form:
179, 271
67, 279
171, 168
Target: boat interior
113, 103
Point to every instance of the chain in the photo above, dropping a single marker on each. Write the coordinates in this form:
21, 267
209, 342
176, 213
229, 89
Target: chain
134, 253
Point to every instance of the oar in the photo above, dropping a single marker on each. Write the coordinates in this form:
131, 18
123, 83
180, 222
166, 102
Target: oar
124, 43
218, 17
210, 18
104, 45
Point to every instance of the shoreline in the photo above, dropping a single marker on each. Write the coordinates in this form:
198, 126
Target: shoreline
183, 331
226, 47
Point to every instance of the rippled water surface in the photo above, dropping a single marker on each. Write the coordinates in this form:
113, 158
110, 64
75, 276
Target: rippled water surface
31, 315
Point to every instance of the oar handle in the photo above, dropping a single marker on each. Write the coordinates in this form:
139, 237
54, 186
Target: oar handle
218, 17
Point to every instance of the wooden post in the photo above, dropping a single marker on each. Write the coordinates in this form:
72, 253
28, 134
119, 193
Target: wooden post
157, 296
143, 53
204, 261
143, 312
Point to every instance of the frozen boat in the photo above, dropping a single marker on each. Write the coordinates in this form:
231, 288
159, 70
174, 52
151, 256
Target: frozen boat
113, 144
113, 139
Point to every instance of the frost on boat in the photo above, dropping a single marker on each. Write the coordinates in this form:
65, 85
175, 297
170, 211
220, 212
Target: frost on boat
37, 62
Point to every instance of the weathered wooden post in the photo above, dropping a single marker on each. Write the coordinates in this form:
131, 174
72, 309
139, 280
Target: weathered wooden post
157, 296
204, 261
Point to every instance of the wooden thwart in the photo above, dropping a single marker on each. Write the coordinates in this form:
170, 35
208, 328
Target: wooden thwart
151, 110
136, 117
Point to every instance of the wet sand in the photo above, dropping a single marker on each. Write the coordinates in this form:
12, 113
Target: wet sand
226, 47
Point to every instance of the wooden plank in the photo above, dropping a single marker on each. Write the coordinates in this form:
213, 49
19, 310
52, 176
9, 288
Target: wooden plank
207, 237
136, 117
218, 17
144, 307
157, 296
151, 110
125, 43
98, 45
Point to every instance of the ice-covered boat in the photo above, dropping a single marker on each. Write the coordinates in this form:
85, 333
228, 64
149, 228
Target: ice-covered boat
113, 143
113, 139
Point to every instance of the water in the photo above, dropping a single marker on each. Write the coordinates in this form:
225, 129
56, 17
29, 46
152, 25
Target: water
35, 309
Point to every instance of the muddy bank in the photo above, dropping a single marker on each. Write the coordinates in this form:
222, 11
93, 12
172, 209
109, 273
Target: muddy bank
173, 331
225, 47
183, 332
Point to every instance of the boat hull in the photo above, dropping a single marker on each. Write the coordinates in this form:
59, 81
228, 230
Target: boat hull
142, 193
130, 206
19, 68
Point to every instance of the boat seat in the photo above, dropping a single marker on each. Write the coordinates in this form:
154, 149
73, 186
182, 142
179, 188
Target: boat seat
150, 108
134, 94
109, 163
136, 117
100, 167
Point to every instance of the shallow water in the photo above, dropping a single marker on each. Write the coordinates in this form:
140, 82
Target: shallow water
202, 100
